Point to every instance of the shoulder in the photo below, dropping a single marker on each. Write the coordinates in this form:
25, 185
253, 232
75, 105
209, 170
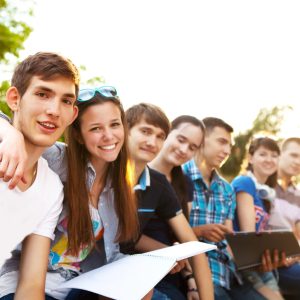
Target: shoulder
50, 177
243, 183
157, 178
189, 167
160, 186
226, 186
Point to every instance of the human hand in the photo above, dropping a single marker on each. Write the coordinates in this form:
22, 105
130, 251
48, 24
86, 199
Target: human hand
192, 295
270, 263
214, 232
13, 157
179, 266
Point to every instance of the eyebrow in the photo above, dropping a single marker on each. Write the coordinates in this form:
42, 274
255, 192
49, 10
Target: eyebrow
46, 89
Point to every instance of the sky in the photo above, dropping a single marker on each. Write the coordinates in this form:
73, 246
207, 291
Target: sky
226, 59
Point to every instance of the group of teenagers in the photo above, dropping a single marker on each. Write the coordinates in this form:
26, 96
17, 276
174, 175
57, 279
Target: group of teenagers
132, 182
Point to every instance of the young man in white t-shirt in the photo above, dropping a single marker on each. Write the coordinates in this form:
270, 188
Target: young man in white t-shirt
42, 98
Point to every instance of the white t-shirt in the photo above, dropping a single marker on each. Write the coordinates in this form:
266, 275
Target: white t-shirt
35, 210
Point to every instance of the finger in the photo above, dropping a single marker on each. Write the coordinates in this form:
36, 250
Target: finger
263, 263
224, 229
18, 175
3, 167
275, 259
268, 260
284, 259
10, 170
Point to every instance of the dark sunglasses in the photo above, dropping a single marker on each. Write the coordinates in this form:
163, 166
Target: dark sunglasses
104, 91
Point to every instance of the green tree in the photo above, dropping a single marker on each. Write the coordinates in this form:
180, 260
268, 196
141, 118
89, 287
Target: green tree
13, 30
13, 33
268, 121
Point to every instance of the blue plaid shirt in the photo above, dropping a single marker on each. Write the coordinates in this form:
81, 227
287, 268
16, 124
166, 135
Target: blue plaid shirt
213, 205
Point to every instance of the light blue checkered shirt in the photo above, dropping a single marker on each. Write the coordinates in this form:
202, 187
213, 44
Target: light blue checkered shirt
213, 204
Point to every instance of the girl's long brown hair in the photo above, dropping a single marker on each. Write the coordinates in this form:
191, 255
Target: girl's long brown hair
80, 231
178, 180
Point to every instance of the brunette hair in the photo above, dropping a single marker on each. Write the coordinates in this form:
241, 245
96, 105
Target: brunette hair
211, 122
269, 144
178, 180
46, 65
80, 231
152, 114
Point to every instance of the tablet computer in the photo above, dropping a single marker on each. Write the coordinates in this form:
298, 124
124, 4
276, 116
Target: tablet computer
248, 247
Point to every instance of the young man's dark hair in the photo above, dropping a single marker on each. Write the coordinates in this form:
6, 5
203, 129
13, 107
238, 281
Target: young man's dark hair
211, 122
45, 65
152, 115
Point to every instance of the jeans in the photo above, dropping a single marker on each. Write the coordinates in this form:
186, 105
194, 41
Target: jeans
11, 297
81, 295
157, 295
289, 280
237, 292
170, 290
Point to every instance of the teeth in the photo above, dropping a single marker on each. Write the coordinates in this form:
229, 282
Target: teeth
108, 147
49, 125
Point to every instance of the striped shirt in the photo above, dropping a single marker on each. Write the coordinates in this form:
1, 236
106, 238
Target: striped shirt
213, 205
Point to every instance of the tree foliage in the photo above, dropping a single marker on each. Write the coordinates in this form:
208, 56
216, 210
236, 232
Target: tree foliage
268, 121
13, 30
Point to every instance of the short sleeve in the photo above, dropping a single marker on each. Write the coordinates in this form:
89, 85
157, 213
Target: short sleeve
48, 224
168, 206
244, 184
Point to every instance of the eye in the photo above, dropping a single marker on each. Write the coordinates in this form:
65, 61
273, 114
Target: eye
41, 94
116, 124
68, 101
193, 147
180, 140
145, 131
95, 129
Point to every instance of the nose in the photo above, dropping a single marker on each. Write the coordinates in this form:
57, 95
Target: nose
151, 140
107, 134
227, 149
184, 148
53, 108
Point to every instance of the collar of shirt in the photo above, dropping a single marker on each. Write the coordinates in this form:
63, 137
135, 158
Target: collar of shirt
195, 174
91, 176
144, 180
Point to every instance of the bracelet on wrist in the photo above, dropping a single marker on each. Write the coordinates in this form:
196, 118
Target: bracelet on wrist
189, 276
192, 290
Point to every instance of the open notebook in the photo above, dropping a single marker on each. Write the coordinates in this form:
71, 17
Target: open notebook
134, 276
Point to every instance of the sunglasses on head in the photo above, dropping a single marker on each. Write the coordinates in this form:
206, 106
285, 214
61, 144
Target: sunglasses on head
105, 91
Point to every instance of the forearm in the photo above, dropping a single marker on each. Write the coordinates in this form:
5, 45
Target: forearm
146, 243
202, 275
30, 292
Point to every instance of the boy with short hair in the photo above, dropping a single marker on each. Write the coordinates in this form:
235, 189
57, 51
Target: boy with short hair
42, 97
148, 128
213, 209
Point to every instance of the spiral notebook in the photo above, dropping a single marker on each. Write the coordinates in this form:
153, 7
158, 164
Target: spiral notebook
135, 275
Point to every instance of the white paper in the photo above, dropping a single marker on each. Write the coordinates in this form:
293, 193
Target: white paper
134, 276
184, 250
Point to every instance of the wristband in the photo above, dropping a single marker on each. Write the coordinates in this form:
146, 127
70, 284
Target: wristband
192, 290
189, 276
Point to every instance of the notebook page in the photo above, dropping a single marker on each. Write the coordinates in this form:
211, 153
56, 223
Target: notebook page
184, 250
129, 278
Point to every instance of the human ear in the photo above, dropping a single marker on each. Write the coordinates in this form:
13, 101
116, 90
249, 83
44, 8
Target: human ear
13, 98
